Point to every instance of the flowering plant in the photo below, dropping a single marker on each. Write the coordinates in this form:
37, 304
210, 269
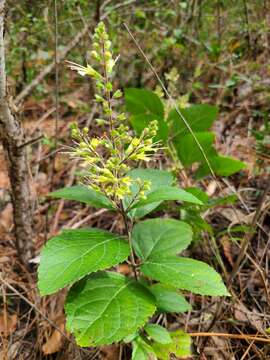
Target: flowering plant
103, 306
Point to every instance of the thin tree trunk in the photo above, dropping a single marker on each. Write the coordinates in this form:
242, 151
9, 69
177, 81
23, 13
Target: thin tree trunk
12, 137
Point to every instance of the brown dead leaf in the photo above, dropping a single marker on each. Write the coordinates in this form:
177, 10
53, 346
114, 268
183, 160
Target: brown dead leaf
124, 269
110, 352
236, 216
211, 188
6, 218
8, 324
227, 248
4, 179
240, 315
55, 342
243, 314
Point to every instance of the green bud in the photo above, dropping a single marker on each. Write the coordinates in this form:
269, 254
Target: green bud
108, 55
121, 117
85, 130
99, 98
74, 133
101, 121
109, 86
95, 55
96, 46
99, 85
107, 44
117, 94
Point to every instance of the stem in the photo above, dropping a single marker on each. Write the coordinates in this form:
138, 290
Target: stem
128, 232
108, 95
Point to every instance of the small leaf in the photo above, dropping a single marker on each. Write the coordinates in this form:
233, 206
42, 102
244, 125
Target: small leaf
142, 351
186, 274
180, 346
158, 333
166, 193
156, 237
195, 220
83, 194
142, 101
107, 307
224, 200
158, 178
168, 300
75, 253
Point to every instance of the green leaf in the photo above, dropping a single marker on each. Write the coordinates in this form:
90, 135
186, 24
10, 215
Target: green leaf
156, 237
195, 220
221, 165
145, 106
180, 346
158, 333
142, 101
158, 179
83, 194
188, 150
73, 254
224, 200
166, 193
142, 351
168, 300
199, 193
199, 117
107, 307
186, 274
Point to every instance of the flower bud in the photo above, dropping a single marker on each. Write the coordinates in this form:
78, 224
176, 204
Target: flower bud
99, 98
117, 94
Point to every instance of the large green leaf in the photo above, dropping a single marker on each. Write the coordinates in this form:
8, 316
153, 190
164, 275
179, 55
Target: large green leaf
168, 300
142, 101
75, 253
188, 150
83, 194
106, 308
199, 117
186, 274
221, 165
154, 237
158, 179
166, 193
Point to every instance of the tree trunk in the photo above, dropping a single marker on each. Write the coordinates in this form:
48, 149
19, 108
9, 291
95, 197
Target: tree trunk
12, 137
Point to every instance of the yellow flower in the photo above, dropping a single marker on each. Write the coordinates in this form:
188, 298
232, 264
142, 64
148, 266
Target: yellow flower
84, 70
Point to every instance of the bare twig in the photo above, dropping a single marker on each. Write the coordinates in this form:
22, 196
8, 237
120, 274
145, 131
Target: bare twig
231, 336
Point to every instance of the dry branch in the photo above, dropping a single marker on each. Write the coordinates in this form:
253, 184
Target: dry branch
12, 138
